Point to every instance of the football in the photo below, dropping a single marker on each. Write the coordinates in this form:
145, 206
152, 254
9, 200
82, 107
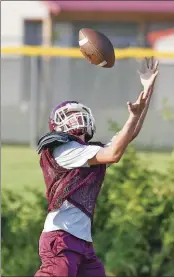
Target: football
96, 48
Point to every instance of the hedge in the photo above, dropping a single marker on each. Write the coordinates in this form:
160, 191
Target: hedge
133, 228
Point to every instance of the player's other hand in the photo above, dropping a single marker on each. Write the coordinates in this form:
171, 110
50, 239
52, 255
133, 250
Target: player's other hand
135, 109
148, 72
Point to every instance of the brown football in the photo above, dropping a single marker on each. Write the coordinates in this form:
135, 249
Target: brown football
96, 48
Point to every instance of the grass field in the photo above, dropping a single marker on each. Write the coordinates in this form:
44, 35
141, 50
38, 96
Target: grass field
20, 167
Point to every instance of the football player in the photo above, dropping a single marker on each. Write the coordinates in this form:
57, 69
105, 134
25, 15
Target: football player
74, 170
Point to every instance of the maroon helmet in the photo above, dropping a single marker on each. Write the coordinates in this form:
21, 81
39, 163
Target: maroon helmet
74, 118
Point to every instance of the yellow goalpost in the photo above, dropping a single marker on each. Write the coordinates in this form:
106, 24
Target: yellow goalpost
75, 52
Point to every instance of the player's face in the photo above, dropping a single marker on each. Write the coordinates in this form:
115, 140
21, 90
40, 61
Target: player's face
76, 119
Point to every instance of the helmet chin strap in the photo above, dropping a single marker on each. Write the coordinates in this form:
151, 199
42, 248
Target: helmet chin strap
88, 137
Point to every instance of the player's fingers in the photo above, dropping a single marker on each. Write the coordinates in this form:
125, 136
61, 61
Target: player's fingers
154, 77
129, 104
150, 89
156, 65
151, 62
156, 73
147, 62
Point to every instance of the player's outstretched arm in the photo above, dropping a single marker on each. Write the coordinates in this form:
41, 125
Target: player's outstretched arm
148, 74
114, 152
142, 118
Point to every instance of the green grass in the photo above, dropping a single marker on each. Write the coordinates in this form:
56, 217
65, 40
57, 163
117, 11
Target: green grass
20, 167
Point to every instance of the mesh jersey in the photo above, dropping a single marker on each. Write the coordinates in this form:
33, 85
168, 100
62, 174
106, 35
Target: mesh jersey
68, 217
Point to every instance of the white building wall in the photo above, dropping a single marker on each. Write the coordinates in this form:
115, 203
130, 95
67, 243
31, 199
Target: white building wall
13, 14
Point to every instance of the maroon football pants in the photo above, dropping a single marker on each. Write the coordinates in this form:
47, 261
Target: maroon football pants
65, 255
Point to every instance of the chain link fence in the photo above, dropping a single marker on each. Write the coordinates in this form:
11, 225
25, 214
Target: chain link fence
32, 86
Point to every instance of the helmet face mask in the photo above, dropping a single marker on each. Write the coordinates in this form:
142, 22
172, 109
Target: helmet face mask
73, 116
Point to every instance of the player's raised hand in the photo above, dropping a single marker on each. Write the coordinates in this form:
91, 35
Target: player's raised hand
136, 108
148, 72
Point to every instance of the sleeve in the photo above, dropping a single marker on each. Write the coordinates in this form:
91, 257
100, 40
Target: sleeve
73, 155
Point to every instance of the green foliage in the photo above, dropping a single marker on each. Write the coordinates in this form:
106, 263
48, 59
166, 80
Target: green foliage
134, 220
22, 223
133, 230
171, 169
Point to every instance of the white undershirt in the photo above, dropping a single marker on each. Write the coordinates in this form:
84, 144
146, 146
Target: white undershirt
73, 154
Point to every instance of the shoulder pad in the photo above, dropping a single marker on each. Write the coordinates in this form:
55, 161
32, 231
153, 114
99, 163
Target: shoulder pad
53, 139
98, 143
